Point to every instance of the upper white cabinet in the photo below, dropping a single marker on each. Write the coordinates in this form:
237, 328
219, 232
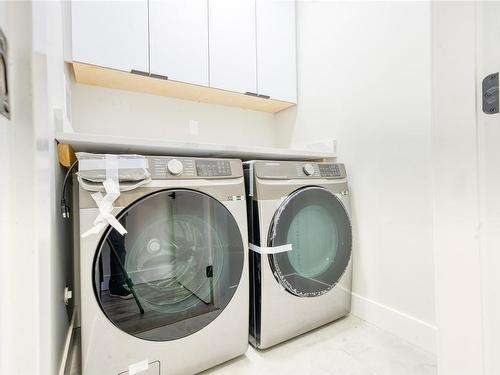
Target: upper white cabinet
230, 52
178, 31
276, 50
232, 45
111, 34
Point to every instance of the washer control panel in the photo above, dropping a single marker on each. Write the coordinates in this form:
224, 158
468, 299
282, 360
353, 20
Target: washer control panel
213, 168
164, 167
291, 170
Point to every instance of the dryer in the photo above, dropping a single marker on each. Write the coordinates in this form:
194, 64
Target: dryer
300, 233
185, 259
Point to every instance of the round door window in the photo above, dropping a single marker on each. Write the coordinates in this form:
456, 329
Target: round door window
174, 271
316, 224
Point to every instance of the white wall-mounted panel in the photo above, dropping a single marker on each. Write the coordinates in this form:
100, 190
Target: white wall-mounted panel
488, 137
276, 50
456, 197
112, 34
179, 40
232, 45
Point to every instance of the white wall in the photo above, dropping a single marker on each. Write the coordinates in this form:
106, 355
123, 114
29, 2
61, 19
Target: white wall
364, 79
35, 251
54, 236
19, 304
108, 111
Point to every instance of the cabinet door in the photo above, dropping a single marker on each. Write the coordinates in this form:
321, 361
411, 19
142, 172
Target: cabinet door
112, 34
179, 40
276, 50
232, 45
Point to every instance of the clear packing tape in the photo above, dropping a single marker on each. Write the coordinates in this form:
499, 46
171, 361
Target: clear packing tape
103, 173
131, 171
280, 207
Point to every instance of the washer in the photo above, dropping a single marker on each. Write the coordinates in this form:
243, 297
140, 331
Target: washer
186, 254
305, 205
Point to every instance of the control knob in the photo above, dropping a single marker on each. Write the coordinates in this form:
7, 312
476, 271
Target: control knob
308, 169
174, 167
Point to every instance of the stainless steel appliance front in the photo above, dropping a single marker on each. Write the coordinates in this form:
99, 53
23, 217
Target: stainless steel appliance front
305, 205
185, 260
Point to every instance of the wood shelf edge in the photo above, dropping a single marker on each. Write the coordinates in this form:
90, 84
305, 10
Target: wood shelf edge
65, 154
111, 78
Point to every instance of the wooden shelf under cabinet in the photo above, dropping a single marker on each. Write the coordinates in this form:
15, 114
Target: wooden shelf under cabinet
117, 79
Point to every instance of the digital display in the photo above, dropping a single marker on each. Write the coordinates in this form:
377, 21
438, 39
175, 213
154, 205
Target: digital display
329, 170
212, 168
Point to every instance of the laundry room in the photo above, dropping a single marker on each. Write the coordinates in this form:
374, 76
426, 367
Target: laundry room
249, 187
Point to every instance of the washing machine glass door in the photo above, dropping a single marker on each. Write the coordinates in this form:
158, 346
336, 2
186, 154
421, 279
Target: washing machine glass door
180, 263
315, 222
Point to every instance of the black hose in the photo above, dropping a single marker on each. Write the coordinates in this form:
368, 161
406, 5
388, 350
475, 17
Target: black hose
64, 206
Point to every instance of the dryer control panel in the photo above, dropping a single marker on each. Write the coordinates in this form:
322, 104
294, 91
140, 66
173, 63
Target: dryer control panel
165, 167
290, 170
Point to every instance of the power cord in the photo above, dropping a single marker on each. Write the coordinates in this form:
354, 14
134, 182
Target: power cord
65, 211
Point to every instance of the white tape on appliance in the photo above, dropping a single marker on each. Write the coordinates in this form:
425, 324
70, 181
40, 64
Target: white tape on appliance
93, 169
137, 368
96, 164
111, 166
105, 205
270, 250
98, 172
250, 179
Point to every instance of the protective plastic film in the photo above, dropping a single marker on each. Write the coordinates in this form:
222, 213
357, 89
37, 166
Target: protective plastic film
183, 258
131, 171
315, 223
111, 174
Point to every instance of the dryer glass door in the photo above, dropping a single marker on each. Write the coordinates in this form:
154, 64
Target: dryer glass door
182, 257
315, 222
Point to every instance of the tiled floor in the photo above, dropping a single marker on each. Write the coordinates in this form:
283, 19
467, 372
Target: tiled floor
348, 346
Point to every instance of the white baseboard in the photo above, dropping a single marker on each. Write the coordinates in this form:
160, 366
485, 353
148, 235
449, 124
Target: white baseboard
409, 328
